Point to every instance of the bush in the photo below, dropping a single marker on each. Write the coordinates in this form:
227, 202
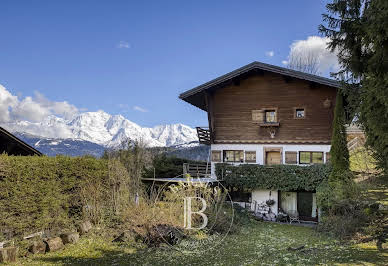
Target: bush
280, 177
39, 193
166, 167
345, 211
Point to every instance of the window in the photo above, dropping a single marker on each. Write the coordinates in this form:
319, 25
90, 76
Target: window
270, 116
300, 113
216, 156
308, 157
234, 156
291, 157
304, 157
317, 157
250, 156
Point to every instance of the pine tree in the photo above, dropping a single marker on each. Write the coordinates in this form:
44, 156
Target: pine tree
339, 153
358, 30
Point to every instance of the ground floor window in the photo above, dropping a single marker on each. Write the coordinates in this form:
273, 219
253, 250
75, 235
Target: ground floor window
309, 157
234, 156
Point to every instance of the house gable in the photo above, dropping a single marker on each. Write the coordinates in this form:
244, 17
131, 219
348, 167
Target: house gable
233, 110
299, 105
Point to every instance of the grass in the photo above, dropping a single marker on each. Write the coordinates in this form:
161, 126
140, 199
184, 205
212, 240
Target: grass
258, 243
361, 161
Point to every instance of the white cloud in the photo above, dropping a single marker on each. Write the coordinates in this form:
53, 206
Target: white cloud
317, 47
29, 110
63, 109
123, 44
270, 53
7, 101
140, 109
33, 109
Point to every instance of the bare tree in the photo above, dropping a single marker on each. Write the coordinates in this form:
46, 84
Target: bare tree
307, 62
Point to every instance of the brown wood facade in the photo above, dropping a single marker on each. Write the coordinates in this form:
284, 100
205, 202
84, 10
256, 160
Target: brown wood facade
230, 110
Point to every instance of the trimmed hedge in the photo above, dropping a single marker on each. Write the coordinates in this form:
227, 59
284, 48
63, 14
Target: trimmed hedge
277, 177
39, 193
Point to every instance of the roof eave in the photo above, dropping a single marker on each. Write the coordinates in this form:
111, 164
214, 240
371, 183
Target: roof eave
21, 142
265, 67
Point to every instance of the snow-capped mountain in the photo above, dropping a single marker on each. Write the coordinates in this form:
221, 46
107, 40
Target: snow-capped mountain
105, 130
54, 146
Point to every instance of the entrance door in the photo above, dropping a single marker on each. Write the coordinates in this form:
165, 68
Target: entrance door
305, 204
273, 157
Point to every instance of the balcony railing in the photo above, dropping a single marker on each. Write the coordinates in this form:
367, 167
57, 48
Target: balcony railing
204, 135
197, 170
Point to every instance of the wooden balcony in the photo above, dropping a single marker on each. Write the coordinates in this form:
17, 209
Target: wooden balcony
204, 135
197, 170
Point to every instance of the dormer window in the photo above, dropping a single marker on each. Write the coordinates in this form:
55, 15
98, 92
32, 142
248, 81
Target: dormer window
270, 116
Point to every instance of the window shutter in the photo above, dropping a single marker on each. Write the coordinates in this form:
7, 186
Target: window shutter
327, 157
258, 116
250, 156
216, 156
291, 157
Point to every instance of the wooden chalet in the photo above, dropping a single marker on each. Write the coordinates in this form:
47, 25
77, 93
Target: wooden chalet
12, 145
265, 114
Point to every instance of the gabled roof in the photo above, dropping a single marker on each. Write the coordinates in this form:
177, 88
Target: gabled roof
195, 95
12, 145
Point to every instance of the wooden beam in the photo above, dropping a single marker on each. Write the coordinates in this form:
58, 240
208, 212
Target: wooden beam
210, 114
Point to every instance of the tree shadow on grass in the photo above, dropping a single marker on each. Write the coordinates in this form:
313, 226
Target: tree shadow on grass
148, 257
105, 257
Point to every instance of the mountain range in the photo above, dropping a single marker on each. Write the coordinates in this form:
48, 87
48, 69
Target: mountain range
93, 132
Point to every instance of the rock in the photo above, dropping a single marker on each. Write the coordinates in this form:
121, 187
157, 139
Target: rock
84, 227
38, 246
54, 244
8, 254
69, 238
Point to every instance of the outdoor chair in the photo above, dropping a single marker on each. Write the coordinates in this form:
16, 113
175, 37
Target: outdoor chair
293, 216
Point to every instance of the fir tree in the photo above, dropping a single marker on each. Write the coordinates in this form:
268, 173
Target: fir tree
339, 153
358, 30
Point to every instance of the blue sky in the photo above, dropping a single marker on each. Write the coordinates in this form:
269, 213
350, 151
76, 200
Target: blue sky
135, 57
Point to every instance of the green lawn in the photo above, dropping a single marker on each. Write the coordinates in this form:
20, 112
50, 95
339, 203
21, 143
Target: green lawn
257, 244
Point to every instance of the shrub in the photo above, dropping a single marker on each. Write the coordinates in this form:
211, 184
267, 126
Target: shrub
166, 167
345, 211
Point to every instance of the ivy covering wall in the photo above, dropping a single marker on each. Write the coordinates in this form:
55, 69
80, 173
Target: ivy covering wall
277, 177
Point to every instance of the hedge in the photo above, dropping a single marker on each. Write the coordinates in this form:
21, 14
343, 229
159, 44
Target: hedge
277, 177
38, 193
